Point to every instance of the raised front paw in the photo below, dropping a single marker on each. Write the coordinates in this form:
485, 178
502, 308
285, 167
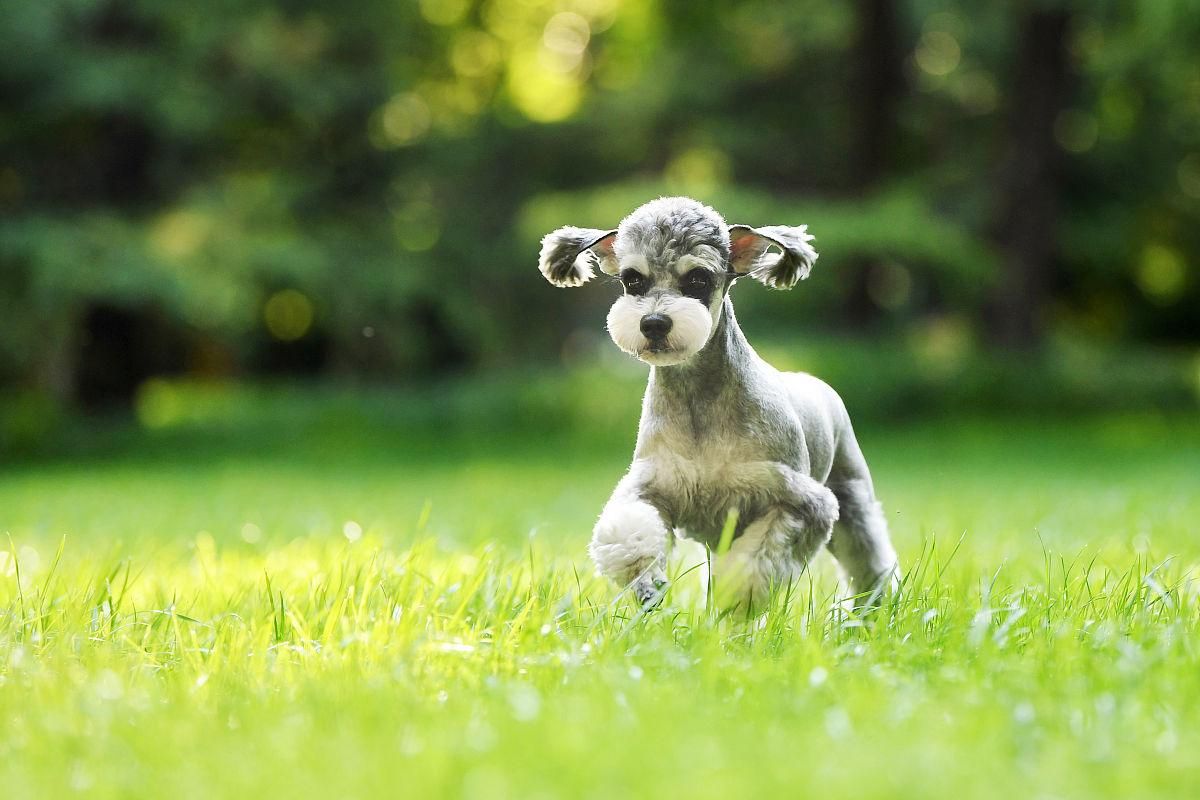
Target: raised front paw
649, 590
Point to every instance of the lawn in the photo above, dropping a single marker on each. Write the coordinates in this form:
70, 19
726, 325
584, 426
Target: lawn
322, 599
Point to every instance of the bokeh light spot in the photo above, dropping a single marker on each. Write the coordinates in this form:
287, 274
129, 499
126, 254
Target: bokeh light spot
698, 169
443, 12
977, 92
564, 41
417, 226
401, 121
29, 560
1076, 131
288, 315
1161, 274
415, 237
474, 54
938, 53
179, 234
251, 533
941, 344
158, 404
542, 94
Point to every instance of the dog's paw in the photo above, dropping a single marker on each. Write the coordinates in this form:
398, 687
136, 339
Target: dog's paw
649, 590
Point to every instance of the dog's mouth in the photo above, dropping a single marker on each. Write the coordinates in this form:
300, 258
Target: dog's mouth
660, 354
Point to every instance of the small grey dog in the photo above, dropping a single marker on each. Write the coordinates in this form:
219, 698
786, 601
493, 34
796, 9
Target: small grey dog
721, 430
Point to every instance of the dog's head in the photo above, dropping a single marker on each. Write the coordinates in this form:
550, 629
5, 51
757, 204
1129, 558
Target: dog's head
676, 259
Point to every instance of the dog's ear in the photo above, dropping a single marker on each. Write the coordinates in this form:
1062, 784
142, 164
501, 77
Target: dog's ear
748, 253
569, 254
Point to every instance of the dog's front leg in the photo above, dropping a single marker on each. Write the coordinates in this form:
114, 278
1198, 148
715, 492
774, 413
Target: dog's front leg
629, 543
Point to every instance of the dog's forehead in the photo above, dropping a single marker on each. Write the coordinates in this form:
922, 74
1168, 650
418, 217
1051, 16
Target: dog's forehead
664, 230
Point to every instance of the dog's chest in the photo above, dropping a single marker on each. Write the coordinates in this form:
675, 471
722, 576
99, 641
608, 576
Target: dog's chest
696, 485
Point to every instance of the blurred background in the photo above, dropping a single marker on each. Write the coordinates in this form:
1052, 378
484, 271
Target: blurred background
200, 197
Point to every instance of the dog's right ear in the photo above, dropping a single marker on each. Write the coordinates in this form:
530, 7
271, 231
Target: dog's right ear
569, 255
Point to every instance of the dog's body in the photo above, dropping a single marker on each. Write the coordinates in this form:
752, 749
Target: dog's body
721, 430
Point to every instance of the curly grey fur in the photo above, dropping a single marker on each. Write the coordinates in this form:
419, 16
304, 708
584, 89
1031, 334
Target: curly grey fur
778, 271
567, 258
668, 228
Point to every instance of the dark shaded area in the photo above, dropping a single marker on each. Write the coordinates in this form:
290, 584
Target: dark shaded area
119, 349
1028, 184
876, 92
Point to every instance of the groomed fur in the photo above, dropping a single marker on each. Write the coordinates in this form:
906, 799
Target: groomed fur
567, 258
722, 430
629, 538
776, 270
691, 325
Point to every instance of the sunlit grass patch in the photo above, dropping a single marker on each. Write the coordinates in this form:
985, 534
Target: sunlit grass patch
344, 612
356, 664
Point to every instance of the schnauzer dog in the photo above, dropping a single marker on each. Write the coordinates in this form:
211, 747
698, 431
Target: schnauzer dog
724, 437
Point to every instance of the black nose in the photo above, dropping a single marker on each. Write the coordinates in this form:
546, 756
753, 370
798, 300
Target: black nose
655, 326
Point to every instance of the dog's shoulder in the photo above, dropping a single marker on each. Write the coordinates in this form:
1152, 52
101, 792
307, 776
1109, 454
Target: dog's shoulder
810, 393
822, 414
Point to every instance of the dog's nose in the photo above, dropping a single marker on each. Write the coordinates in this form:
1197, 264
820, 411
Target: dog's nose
656, 326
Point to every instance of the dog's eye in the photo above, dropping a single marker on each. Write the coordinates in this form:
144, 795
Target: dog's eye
697, 281
635, 282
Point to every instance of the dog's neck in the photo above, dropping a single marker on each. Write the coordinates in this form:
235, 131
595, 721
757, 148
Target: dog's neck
711, 387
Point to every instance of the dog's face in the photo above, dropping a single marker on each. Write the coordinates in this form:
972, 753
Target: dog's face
673, 265
675, 259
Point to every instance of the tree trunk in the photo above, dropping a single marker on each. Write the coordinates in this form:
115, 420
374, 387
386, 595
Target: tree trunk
1025, 222
878, 84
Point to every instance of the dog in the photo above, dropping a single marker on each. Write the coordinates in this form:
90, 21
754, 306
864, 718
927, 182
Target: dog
724, 438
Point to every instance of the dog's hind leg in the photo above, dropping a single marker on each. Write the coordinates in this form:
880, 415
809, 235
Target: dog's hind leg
860, 540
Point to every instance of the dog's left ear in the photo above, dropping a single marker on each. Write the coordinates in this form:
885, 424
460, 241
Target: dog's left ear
569, 254
748, 253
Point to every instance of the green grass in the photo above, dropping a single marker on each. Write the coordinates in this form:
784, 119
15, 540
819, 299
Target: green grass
192, 620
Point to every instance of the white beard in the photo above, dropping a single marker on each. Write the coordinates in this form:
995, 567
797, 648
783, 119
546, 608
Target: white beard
691, 324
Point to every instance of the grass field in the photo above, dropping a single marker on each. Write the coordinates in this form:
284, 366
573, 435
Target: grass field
371, 609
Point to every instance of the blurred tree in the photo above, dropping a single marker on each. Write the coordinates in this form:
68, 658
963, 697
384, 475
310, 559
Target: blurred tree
878, 55
1027, 187
290, 187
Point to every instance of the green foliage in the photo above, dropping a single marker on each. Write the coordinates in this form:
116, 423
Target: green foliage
395, 163
591, 402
